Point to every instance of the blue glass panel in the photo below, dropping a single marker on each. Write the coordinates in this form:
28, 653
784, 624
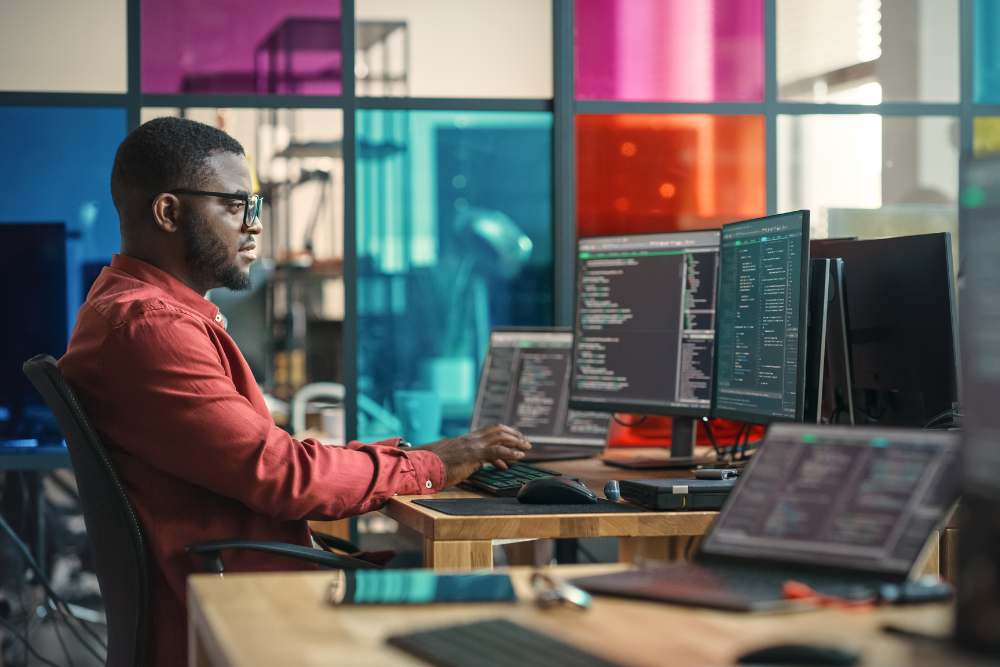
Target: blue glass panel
986, 89
57, 168
454, 237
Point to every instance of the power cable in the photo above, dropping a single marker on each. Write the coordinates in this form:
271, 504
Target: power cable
43, 580
24, 640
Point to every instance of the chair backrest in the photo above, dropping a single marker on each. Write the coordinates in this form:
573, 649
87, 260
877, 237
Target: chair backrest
113, 529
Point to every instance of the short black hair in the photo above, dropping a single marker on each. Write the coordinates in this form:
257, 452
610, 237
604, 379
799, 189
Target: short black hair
162, 155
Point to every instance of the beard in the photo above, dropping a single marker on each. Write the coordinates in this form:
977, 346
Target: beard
209, 259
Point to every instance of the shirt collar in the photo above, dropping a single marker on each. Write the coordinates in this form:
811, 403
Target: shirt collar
177, 290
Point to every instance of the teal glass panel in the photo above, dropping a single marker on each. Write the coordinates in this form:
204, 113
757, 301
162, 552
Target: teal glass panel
986, 44
454, 237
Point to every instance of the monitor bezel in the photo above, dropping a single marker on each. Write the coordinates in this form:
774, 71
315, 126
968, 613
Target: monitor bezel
615, 407
800, 380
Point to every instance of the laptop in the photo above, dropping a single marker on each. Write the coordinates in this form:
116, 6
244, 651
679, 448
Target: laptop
525, 384
846, 511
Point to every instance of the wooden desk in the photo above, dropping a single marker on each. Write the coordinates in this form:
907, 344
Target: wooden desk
258, 620
466, 542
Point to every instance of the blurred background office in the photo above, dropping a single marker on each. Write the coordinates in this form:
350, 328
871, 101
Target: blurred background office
429, 183
684, 115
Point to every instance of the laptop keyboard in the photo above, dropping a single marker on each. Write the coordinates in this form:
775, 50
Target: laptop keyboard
729, 586
506, 483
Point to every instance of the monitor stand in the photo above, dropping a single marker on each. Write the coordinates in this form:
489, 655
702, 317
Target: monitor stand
683, 434
682, 438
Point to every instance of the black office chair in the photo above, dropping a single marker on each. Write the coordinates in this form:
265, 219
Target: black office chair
115, 534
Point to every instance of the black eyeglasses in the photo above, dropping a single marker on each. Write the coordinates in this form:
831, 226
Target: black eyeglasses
250, 202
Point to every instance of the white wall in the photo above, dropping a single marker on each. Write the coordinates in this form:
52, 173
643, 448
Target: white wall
63, 46
473, 48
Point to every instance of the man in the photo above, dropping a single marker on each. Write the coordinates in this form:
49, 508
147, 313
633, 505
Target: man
176, 404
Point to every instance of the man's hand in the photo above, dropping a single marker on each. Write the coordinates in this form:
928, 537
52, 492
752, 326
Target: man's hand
464, 455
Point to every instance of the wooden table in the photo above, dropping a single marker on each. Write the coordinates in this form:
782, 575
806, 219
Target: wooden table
258, 620
466, 542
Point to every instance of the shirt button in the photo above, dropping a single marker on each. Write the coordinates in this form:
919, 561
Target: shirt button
218, 317
429, 484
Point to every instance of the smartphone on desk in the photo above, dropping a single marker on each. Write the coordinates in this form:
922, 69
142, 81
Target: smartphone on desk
417, 587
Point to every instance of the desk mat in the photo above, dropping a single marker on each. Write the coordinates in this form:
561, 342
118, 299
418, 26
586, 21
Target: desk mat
509, 506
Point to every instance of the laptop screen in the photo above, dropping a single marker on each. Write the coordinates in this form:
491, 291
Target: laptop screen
525, 384
860, 498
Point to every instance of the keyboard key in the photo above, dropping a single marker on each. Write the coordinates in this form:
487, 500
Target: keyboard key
495, 643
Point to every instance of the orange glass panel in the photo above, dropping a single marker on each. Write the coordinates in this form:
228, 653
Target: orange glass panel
655, 173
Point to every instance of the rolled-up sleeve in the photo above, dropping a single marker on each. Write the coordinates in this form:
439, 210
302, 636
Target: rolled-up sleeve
184, 415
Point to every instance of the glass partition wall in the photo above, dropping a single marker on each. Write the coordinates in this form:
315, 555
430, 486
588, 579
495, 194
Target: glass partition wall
427, 167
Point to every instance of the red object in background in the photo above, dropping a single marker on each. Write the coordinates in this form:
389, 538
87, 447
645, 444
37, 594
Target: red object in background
639, 173
666, 172
655, 432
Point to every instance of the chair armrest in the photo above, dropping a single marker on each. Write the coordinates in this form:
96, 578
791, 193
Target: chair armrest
211, 554
336, 543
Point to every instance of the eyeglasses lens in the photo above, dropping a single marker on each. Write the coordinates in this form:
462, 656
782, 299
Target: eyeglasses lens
254, 203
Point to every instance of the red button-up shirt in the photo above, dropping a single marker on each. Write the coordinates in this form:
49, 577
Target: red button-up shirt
188, 431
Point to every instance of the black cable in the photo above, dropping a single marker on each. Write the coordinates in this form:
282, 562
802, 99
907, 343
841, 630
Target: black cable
945, 419
614, 415
21, 638
746, 441
952, 411
692, 541
55, 626
711, 437
586, 552
24, 608
64, 616
739, 434
43, 580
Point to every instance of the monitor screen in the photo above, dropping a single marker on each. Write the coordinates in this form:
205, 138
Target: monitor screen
33, 270
525, 383
865, 498
645, 323
763, 289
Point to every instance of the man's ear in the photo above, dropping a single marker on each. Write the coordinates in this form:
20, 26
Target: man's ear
166, 212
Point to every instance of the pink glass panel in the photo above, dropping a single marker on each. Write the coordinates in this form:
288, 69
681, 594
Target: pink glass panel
241, 46
670, 50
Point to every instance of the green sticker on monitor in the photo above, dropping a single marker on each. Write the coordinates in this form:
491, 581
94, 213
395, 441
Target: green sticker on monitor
809, 439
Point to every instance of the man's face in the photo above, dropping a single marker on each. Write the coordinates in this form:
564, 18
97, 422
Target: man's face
218, 247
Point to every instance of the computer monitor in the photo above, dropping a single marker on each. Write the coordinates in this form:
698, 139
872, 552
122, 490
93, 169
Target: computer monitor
902, 326
761, 315
645, 324
525, 384
33, 273
977, 609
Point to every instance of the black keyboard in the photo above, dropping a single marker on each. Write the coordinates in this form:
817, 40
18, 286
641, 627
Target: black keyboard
506, 483
496, 643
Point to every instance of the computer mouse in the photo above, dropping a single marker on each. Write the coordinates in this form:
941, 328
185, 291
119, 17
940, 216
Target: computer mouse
798, 654
555, 491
